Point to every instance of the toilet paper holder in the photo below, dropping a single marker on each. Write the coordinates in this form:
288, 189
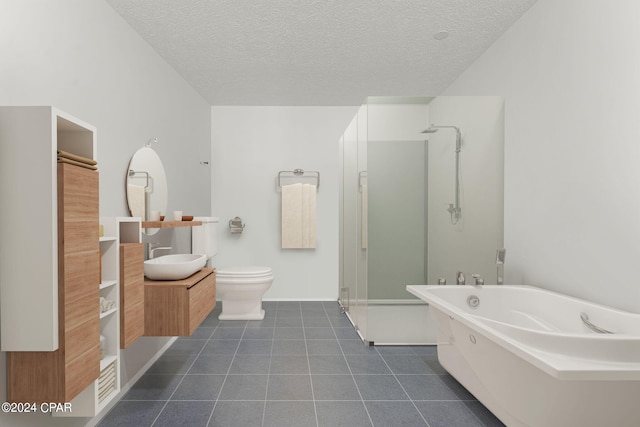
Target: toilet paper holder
236, 226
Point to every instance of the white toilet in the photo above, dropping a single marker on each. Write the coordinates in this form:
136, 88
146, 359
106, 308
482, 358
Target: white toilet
239, 288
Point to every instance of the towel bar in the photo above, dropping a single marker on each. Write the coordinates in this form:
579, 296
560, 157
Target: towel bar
132, 173
299, 173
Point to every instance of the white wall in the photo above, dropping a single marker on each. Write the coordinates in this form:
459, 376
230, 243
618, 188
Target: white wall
250, 145
81, 57
570, 74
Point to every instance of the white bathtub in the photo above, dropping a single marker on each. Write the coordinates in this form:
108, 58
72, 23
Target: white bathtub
526, 354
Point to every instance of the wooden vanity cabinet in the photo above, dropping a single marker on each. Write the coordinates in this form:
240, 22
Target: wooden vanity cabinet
60, 375
131, 293
178, 307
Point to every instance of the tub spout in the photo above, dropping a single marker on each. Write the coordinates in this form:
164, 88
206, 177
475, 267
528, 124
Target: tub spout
479, 279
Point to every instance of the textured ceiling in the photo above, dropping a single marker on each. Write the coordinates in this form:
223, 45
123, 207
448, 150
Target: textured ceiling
318, 52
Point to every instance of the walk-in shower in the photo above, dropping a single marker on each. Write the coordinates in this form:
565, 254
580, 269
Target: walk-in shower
455, 209
396, 207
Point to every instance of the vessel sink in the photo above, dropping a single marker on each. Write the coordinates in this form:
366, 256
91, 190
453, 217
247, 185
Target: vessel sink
174, 267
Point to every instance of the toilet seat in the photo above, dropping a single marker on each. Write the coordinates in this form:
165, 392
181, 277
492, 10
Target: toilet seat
244, 272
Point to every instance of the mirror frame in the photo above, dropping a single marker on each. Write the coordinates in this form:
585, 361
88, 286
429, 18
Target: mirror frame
146, 169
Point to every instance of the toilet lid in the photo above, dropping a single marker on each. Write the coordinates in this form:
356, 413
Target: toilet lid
244, 271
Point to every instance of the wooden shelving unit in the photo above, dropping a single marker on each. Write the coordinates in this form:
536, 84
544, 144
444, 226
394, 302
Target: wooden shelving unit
101, 392
131, 292
39, 310
29, 244
170, 224
50, 264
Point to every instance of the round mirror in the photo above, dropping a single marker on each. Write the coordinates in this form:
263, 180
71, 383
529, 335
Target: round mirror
146, 186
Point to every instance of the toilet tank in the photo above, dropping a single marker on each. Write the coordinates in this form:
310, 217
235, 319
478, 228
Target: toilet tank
204, 238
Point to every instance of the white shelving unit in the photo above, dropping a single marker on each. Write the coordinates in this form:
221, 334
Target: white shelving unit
29, 317
98, 395
29, 226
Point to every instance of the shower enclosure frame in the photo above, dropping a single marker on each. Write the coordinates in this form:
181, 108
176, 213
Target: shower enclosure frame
393, 321
477, 190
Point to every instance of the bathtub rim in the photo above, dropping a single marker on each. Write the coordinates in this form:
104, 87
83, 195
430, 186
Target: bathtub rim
556, 365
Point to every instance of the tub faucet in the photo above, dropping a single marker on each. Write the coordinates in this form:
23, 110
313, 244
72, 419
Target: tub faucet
460, 278
479, 279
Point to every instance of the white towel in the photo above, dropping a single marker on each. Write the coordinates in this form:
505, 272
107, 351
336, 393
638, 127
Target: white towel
308, 216
292, 216
136, 196
364, 216
298, 216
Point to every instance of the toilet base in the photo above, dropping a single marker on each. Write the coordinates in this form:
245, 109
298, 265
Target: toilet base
241, 309
240, 291
243, 316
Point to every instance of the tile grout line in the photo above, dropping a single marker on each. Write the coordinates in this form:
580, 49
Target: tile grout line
266, 389
183, 377
442, 400
306, 349
401, 386
228, 369
349, 367
310, 317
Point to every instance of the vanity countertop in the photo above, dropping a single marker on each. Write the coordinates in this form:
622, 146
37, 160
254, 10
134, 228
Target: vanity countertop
184, 283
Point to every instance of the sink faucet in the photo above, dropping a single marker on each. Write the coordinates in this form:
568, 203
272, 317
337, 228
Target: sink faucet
460, 278
154, 247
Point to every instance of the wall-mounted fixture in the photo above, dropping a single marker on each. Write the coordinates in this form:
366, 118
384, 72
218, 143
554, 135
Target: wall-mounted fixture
455, 210
146, 185
236, 225
132, 173
500, 255
299, 175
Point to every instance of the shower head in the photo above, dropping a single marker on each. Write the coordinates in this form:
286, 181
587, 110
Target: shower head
430, 130
434, 128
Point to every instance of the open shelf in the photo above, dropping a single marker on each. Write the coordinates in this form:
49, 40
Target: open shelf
170, 224
108, 312
107, 283
107, 239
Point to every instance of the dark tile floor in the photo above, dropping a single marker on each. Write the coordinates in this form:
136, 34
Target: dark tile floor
303, 365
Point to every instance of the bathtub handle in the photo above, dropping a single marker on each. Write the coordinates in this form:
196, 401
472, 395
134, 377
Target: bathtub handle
594, 328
